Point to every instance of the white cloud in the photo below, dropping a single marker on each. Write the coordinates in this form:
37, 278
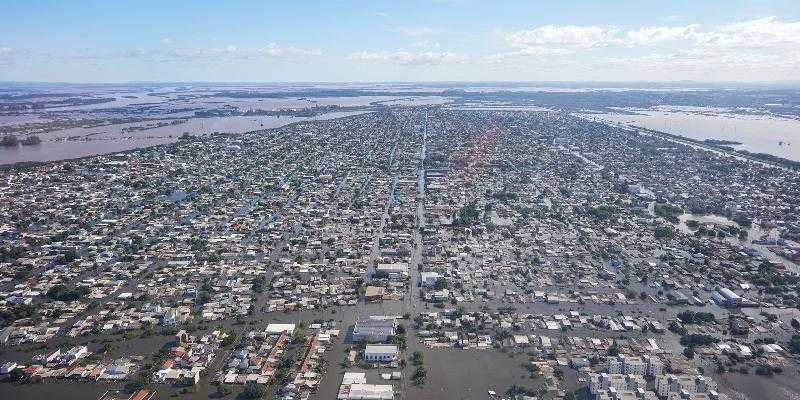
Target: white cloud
411, 58
167, 40
532, 52
379, 14
757, 33
655, 34
133, 53
231, 52
271, 50
758, 49
426, 44
276, 50
706, 64
564, 36
416, 30
228, 51
7, 55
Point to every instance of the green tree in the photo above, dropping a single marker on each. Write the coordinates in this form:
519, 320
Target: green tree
254, 391
417, 358
419, 375
613, 350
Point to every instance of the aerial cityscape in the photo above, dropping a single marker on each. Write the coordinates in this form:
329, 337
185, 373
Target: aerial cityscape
313, 220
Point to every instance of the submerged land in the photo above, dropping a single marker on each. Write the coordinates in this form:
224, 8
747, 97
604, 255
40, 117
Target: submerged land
449, 243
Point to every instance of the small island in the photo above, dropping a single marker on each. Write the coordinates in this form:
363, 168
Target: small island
31, 140
721, 142
9, 141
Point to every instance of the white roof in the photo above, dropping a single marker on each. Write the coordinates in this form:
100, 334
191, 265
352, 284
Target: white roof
381, 348
280, 328
371, 392
354, 377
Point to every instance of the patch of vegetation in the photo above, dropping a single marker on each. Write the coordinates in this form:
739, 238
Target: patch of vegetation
603, 213
696, 339
420, 374
254, 391
691, 317
668, 211
467, 215
63, 293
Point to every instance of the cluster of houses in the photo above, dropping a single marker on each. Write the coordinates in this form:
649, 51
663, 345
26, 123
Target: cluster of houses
75, 364
189, 358
257, 359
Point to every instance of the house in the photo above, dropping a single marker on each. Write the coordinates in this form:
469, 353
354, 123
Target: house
374, 293
429, 279
392, 271
381, 352
74, 354
727, 298
8, 367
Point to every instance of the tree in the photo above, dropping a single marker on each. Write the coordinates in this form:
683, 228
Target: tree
419, 375
31, 140
697, 339
417, 358
258, 284
689, 352
224, 390
664, 232
9, 141
613, 350
63, 293
229, 340
794, 344
254, 391
676, 327
399, 340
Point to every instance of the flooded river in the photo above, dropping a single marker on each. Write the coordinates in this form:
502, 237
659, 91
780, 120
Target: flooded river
82, 142
756, 133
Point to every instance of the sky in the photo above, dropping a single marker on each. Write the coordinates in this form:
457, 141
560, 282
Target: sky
412, 40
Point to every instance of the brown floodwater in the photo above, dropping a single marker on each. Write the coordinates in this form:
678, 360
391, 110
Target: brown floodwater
82, 142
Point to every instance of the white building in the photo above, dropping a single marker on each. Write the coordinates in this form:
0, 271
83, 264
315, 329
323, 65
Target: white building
381, 352
276, 329
393, 271
375, 328
650, 366
608, 384
654, 366
691, 384
354, 386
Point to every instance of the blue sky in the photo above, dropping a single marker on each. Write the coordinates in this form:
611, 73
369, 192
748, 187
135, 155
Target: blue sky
414, 40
